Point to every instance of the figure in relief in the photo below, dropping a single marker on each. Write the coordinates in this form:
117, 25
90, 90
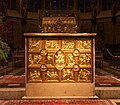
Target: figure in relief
52, 75
35, 75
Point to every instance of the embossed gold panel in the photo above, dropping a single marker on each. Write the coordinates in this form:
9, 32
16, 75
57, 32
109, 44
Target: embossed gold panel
59, 60
59, 24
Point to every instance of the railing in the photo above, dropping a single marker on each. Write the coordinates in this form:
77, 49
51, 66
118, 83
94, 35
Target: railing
115, 57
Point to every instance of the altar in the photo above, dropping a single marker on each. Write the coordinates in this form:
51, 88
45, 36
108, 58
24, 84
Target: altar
60, 65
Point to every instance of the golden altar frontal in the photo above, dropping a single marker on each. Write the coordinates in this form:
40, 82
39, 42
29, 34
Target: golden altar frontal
59, 64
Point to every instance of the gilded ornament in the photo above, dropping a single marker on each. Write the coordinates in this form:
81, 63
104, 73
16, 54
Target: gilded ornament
43, 52
34, 59
49, 59
67, 44
34, 44
68, 75
43, 67
52, 75
76, 53
84, 74
51, 44
58, 24
85, 59
35, 75
84, 44
76, 67
70, 60
59, 60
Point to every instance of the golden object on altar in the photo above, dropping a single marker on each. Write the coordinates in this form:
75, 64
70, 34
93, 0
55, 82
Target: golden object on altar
60, 64
59, 24
60, 59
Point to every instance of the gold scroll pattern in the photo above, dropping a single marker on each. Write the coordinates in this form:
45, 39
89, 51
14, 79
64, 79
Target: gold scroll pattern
51, 45
68, 44
60, 60
84, 45
34, 44
59, 24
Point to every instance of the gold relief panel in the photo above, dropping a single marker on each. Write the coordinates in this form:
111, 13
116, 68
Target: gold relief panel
34, 59
68, 75
84, 45
51, 44
43, 67
34, 44
49, 59
68, 44
84, 75
43, 52
76, 52
59, 24
76, 67
70, 60
51, 75
59, 60
34, 75
85, 59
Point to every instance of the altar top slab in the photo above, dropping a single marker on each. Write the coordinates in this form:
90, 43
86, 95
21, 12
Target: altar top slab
60, 34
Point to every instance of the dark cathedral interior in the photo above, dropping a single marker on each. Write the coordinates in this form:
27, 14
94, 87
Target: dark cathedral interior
18, 17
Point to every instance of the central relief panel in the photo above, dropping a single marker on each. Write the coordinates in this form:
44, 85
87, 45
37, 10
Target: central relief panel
59, 60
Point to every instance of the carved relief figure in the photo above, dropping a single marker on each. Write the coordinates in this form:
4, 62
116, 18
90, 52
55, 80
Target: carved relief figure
34, 45
68, 75
59, 60
84, 74
68, 44
84, 44
85, 59
35, 75
70, 60
52, 75
51, 45
34, 59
